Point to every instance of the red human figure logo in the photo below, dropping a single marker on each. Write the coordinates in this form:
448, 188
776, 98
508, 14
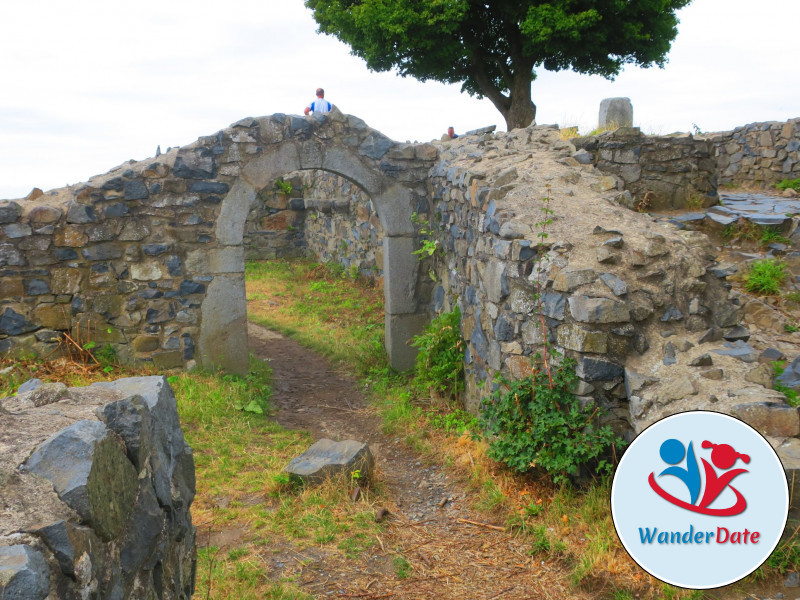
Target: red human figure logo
724, 457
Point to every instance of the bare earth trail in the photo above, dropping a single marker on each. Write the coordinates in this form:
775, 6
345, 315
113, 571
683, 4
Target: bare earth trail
429, 513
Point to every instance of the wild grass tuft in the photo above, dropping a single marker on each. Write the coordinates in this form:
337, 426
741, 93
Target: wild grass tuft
765, 277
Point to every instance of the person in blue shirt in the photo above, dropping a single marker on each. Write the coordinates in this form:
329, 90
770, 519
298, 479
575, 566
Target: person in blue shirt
320, 105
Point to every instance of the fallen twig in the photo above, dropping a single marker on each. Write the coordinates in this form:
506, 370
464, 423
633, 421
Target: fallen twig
495, 527
498, 594
336, 408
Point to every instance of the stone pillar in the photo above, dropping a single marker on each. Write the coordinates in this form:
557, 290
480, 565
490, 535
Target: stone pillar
616, 112
403, 321
223, 331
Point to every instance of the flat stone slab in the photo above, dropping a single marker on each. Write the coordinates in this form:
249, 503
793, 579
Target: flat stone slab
740, 350
326, 459
770, 418
760, 209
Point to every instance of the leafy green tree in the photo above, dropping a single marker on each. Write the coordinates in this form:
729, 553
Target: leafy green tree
493, 47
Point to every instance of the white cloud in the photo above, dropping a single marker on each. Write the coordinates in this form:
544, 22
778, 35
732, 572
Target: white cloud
87, 85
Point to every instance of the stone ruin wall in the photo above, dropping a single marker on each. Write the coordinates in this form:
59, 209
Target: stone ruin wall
149, 257
325, 217
125, 260
681, 170
601, 315
758, 154
140, 294
658, 172
97, 487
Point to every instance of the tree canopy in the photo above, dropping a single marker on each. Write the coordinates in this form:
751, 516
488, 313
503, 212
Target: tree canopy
494, 47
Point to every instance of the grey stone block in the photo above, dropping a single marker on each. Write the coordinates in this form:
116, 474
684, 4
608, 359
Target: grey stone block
495, 281
597, 369
740, 350
399, 331
569, 279
10, 211
80, 213
770, 418
13, 323
399, 275
147, 416
616, 112
326, 459
194, 164
598, 310
29, 385
614, 283
87, 465
23, 574
375, 145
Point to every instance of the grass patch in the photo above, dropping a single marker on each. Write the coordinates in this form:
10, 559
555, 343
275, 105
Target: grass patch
321, 308
240, 574
765, 277
240, 456
402, 567
744, 231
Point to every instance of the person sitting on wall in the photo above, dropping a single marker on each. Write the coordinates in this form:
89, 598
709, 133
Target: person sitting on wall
320, 105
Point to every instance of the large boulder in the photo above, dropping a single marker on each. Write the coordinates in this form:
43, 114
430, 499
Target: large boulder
97, 483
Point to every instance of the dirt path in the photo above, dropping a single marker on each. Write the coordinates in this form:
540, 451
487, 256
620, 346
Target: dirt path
428, 510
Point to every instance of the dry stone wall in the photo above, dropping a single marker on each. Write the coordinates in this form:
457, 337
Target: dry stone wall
149, 257
759, 154
641, 306
657, 172
325, 216
97, 487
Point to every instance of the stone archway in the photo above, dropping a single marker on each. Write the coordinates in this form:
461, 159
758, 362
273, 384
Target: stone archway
264, 149
149, 257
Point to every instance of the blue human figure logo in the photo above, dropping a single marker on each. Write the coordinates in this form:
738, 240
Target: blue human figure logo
672, 453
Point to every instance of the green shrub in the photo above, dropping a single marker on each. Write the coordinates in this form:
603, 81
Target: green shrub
789, 183
440, 362
765, 277
533, 424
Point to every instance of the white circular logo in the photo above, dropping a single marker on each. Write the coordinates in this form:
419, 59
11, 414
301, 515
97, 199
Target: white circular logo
699, 500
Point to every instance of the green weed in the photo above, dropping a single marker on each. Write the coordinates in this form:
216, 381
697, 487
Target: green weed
536, 422
284, 187
789, 183
765, 277
770, 235
457, 422
439, 366
792, 396
402, 567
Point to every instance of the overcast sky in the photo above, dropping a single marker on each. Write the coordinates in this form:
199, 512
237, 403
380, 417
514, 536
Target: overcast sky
89, 84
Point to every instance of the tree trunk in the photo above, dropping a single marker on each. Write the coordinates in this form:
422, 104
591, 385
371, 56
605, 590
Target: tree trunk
517, 108
521, 110
520, 114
